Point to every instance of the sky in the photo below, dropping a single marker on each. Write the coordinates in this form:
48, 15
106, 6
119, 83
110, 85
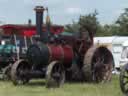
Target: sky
61, 11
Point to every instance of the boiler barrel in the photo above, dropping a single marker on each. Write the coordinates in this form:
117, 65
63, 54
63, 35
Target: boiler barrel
62, 53
38, 54
41, 54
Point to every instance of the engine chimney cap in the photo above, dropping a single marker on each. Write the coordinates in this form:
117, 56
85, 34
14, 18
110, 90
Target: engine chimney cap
39, 9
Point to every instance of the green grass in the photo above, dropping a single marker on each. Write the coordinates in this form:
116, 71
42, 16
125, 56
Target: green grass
37, 88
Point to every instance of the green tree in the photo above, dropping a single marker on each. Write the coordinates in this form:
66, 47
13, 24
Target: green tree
85, 23
123, 23
89, 22
72, 27
100, 30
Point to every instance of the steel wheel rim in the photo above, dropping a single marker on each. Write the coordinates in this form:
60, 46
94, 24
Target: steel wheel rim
18, 68
95, 58
124, 80
55, 75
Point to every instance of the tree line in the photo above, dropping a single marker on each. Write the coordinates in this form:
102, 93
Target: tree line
90, 23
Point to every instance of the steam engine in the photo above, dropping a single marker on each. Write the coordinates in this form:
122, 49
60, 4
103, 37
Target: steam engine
52, 56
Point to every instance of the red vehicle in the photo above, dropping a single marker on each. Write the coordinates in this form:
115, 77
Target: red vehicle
60, 57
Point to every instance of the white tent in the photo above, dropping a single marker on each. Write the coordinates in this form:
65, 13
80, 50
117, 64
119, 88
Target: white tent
103, 40
117, 47
125, 43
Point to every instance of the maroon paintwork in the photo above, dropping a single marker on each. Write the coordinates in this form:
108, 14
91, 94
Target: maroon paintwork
63, 53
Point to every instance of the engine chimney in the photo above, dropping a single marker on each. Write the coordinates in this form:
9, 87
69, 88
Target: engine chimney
39, 20
29, 22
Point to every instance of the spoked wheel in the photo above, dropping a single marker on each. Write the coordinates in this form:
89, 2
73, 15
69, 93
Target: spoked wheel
55, 75
18, 72
98, 64
7, 72
124, 79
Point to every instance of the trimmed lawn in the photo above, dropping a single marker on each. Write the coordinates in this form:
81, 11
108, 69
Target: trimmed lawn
37, 88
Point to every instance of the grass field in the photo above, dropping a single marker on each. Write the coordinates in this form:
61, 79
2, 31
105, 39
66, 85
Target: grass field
37, 88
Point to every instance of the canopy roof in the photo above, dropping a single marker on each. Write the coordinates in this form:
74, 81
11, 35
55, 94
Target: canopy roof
29, 30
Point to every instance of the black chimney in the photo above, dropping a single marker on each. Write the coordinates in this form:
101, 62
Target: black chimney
39, 20
29, 22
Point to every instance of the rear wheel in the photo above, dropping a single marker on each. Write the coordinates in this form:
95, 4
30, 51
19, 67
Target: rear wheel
55, 75
98, 64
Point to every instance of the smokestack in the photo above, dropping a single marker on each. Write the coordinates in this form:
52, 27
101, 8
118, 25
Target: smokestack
39, 20
29, 22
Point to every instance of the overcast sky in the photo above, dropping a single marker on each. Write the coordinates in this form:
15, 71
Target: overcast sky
61, 11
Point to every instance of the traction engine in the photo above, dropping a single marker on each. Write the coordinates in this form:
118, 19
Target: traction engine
56, 58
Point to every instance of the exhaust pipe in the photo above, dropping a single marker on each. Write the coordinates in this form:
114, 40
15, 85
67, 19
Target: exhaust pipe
39, 23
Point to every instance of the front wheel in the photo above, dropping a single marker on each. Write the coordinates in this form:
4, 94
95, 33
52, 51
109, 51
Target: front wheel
55, 75
6, 72
18, 72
